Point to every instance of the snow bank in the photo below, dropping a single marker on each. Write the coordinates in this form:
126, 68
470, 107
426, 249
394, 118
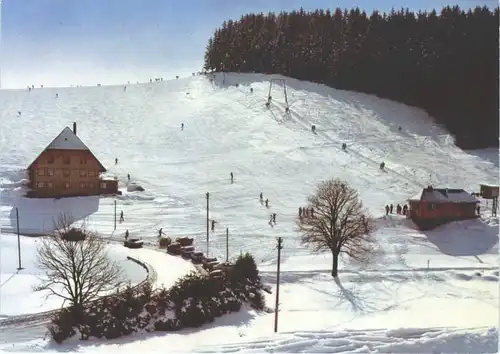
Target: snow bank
15, 285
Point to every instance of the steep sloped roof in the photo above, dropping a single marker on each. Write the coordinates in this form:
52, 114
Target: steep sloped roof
444, 195
67, 140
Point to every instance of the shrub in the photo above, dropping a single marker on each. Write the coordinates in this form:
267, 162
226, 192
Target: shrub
61, 326
193, 301
165, 242
73, 234
244, 270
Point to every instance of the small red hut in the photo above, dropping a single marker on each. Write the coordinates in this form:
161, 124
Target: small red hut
435, 206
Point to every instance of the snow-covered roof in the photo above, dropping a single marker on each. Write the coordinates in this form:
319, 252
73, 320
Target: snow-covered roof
67, 140
444, 195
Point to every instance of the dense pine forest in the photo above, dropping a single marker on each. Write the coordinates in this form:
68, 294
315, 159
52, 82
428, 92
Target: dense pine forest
445, 63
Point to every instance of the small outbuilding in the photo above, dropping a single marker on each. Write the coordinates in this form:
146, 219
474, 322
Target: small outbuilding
435, 206
488, 191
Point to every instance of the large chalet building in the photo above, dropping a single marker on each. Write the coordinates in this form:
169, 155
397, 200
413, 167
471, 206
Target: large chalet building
67, 168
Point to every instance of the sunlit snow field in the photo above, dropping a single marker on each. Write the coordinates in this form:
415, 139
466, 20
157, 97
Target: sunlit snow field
443, 281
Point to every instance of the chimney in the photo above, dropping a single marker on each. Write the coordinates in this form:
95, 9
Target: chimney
74, 128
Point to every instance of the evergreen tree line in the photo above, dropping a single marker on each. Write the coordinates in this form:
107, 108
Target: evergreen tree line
446, 64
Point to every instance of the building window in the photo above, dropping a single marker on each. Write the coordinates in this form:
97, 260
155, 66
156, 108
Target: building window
91, 174
83, 173
83, 161
103, 185
66, 172
431, 206
66, 185
50, 171
50, 185
40, 172
91, 185
50, 159
66, 160
82, 185
40, 185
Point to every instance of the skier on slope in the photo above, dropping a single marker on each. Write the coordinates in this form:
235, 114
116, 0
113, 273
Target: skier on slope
232, 177
267, 203
213, 224
182, 126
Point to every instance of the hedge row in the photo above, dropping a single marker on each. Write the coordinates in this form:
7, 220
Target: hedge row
194, 300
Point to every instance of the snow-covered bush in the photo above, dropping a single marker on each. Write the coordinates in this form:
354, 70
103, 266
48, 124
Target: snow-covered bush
165, 242
133, 187
193, 301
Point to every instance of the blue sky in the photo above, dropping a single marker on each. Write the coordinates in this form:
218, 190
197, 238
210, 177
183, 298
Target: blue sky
63, 42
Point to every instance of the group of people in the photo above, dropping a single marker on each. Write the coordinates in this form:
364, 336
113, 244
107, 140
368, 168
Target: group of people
306, 212
399, 209
266, 202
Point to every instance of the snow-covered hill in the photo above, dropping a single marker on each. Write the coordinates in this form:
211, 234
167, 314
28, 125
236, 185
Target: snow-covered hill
417, 280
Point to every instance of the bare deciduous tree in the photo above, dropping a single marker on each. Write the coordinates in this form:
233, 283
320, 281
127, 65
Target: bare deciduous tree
77, 271
340, 223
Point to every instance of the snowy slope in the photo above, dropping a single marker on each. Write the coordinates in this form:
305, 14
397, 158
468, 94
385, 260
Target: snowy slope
415, 276
18, 284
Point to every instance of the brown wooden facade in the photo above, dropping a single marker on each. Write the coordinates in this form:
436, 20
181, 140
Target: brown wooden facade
488, 191
59, 172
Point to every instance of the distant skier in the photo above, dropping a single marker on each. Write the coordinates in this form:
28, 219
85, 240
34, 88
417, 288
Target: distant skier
126, 235
382, 165
57, 95
271, 219
390, 208
267, 203
386, 210
274, 218
344, 146
213, 224
182, 126
300, 212
18, 113
261, 197
124, 88
160, 232
128, 176
232, 177
121, 216
116, 160
251, 90
398, 209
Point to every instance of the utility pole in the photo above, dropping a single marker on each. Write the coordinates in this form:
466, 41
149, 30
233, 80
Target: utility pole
276, 306
18, 240
227, 244
208, 220
115, 214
